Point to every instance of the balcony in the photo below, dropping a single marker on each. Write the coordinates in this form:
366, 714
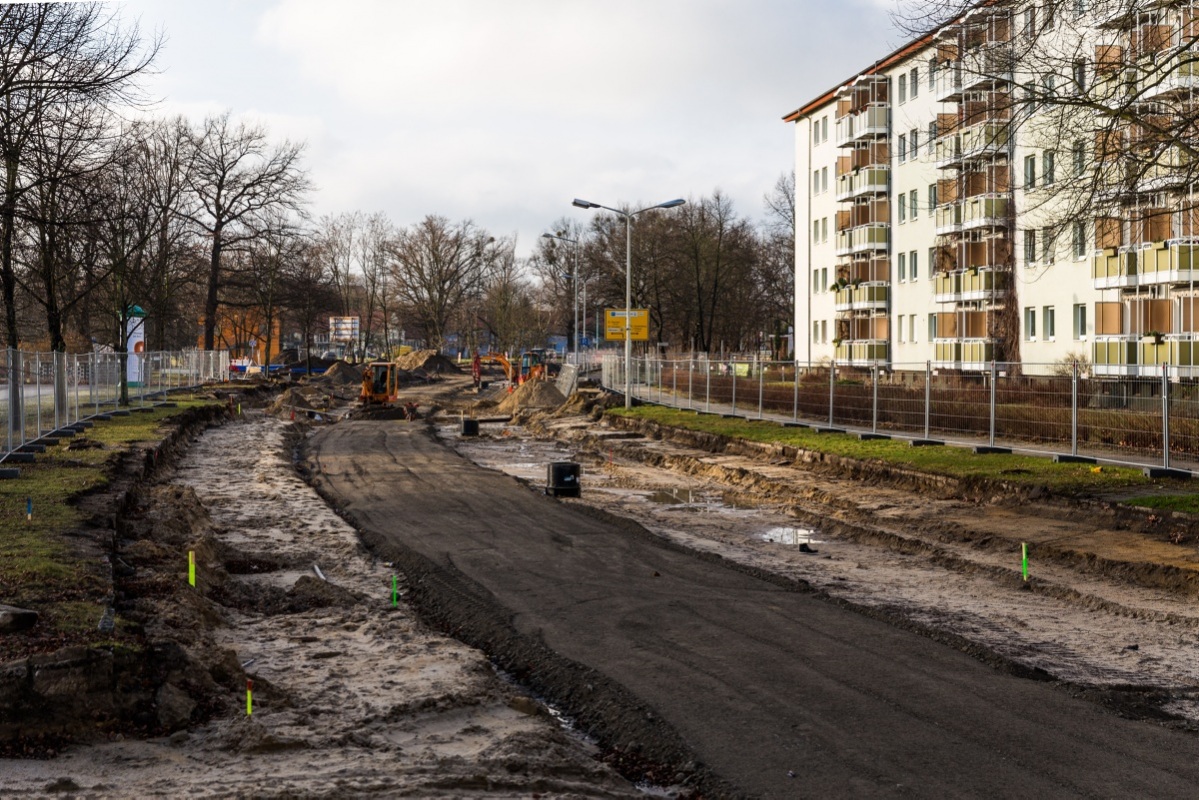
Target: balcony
947, 353
949, 152
876, 236
873, 121
977, 354
947, 287
949, 84
876, 180
864, 352
948, 219
982, 284
983, 141
1173, 261
985, 211
987, 65
1182, 79
1134, 354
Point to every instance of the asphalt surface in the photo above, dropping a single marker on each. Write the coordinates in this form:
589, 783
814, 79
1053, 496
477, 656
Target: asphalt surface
779, 692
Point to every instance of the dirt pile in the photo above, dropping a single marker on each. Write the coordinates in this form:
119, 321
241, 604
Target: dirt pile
430, 361
534, 394
299, 398
343, 373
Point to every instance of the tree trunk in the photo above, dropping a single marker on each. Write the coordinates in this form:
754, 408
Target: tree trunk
214, 283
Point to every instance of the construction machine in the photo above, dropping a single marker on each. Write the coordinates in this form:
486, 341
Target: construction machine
530, 367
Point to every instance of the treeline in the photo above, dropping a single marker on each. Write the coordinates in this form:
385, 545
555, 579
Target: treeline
204, 226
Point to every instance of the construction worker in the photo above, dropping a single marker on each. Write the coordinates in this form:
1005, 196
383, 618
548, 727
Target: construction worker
476, 371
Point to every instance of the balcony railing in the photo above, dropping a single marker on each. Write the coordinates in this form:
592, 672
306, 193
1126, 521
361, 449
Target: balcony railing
964, 354
984, 140
875, 180
874, 120
988, 210
986, 65
1138, 354
949, 151
1173, 261
947, 353
876, 236
1182, 79
949, 84
981, 284
864, 352
947, 287
948, 219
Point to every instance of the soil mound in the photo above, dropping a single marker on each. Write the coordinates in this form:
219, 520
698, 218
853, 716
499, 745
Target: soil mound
534, 394
343, 373
430, 361
294, 398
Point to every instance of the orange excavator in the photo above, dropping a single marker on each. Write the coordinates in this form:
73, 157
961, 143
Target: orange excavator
531, 367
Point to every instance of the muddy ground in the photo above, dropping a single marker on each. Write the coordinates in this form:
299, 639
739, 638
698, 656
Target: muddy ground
355, 696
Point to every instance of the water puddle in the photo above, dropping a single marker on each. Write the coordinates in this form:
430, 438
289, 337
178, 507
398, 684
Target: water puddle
790, 535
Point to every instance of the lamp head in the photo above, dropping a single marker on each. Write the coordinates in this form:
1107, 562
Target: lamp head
577, 203
672, 203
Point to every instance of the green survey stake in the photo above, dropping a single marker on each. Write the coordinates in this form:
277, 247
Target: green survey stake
249, 697
1024, 557
191, 568
395, 597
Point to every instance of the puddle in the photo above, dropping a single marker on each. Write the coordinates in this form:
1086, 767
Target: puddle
788, 535
678, 497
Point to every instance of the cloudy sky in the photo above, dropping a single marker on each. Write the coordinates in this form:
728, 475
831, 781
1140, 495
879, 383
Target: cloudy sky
502, 111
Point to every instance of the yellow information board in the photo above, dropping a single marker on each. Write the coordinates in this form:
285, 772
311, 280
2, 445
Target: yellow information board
614, 320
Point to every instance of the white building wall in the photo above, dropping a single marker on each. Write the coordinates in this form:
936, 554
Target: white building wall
815, 211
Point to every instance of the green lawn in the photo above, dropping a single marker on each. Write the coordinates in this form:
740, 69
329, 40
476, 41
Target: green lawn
954, 462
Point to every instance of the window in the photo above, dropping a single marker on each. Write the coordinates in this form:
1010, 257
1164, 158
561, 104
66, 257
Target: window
932, 196
1080, 321
1030, 172
1030, 97
1048, 246
816, 230
932, 327
913, 203
903, 88
824, 330
1048, 329
1030, 246
824, 229
902, 329
1080, 76
816, 181
932, 261
912, 328
815, 331
1081, 7
903, 267
1078, 240
824, 179
815, 281
1047, 159
912, 272
824, 278
932, 74
1080, 157
816, 132
903, 208
824, 129
1050, 83
902, 149
915, 81
1030, 324
932, 136
914, 142
1030, 23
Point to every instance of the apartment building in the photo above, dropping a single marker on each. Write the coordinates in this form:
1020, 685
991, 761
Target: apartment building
960, 202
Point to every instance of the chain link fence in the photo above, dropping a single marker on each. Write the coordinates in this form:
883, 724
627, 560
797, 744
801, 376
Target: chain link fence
1067, 412
44, 392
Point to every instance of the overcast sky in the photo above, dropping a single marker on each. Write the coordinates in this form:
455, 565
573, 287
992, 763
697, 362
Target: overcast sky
502, 111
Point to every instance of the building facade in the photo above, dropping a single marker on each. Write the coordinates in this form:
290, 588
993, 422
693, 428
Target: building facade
980, 195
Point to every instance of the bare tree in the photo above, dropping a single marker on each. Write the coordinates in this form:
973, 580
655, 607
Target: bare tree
54, 57
239, 176
438, 266
375, 243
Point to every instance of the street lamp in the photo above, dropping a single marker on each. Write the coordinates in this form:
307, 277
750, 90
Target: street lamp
575, 242
628, 278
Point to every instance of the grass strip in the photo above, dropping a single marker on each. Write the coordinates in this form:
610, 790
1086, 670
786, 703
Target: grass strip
41, 566
953, 462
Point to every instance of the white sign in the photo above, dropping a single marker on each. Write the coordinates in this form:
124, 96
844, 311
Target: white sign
135, 330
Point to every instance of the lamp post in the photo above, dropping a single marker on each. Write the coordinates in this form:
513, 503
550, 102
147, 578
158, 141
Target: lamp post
575, 275
628, 279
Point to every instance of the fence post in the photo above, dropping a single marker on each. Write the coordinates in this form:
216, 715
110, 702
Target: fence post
795, 397
832, 390
733, 370
91, 380
761, 385
690, 375
1074, 408
994, 374
13, 404
874, 399
1165, 416
928, 394
75, 374
707, 384
37, 376
674, 383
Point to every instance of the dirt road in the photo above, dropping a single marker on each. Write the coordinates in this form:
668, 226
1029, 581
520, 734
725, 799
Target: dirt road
665, 653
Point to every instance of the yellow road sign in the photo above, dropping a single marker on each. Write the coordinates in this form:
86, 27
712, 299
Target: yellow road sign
614, 322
